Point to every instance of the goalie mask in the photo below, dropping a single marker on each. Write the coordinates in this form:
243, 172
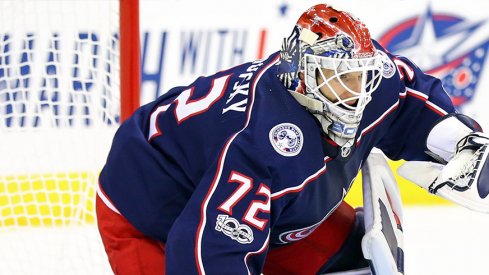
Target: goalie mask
332, 68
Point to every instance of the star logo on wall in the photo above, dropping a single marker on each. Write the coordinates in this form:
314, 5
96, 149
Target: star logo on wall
283, 9
446, 46
430, 45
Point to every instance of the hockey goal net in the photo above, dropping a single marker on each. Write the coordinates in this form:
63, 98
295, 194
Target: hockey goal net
61, 66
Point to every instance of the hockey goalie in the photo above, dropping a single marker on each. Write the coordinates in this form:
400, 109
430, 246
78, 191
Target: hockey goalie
245, 171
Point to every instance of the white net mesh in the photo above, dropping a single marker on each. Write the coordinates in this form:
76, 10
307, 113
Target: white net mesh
59, 107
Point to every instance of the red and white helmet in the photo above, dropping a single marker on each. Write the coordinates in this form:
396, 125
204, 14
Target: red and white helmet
333, 68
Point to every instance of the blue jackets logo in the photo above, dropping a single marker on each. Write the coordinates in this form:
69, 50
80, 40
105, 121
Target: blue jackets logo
297, 234
287, 139
233, 229
449, 47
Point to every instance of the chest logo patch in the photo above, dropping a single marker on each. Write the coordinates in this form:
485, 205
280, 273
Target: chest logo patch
287, 139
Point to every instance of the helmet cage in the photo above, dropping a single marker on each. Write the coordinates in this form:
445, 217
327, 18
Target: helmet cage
342, 115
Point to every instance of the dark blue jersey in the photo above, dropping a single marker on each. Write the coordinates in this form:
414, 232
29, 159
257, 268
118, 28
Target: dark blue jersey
231, 165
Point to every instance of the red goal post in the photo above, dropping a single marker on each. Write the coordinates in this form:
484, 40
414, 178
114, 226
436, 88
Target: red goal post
130, 57
69, 74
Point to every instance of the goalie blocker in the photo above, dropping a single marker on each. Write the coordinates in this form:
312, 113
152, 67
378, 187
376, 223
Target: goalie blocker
461, 174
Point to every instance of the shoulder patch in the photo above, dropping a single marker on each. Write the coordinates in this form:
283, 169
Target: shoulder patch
388, 67
287, 139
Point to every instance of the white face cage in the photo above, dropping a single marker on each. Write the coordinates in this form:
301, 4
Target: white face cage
343, 102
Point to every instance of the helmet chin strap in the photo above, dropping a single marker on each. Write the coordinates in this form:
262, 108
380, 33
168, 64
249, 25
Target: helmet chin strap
345, 143
316, 107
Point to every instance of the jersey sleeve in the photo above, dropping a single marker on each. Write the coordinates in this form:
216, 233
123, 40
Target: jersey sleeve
225, 222
184, 171
137, 173
225, 226
423, 102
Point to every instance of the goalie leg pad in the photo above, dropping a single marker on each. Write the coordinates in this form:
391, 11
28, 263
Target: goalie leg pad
384, 241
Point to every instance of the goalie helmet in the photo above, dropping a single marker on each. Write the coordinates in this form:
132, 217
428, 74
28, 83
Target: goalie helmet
331, 67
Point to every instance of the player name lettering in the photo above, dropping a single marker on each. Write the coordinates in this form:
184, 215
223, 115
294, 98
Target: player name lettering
238, 99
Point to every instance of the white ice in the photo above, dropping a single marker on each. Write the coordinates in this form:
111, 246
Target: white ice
447, 240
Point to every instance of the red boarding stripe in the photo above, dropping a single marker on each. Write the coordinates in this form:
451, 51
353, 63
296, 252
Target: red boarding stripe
299, 188
439, 111
417, 95
107, 201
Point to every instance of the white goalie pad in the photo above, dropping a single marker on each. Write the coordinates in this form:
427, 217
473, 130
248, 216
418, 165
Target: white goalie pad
383, 243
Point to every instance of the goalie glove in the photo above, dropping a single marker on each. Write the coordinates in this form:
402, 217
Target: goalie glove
463, 180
